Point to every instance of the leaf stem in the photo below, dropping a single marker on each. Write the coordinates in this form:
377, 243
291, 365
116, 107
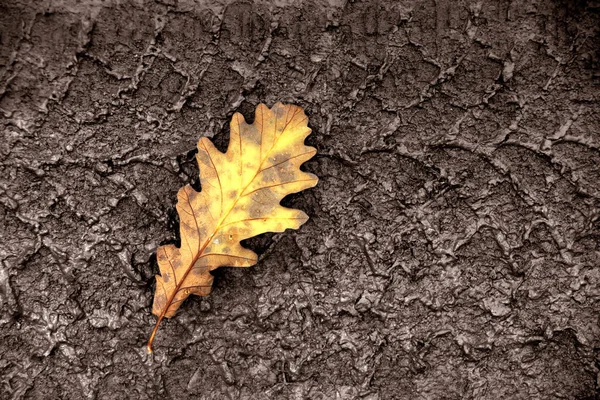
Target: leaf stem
176, 290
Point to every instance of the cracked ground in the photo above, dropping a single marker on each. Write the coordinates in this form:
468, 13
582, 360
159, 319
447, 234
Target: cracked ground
453, 246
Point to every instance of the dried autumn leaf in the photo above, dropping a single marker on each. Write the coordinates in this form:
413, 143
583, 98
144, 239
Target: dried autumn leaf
241, 191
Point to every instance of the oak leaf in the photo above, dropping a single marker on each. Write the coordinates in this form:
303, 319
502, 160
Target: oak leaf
241, 191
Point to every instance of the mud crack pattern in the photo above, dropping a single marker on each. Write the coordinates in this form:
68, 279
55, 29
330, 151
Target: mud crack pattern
453, 245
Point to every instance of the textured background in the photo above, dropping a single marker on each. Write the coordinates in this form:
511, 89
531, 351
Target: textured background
453, 248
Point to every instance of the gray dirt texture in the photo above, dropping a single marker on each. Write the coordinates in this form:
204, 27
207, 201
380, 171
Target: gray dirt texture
453, 246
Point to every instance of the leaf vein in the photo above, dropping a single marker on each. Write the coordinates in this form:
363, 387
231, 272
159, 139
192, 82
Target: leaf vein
275, 185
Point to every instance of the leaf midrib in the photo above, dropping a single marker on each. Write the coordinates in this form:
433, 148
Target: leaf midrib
223, 218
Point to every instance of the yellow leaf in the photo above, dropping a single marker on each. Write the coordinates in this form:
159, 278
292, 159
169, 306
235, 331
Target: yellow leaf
241, 191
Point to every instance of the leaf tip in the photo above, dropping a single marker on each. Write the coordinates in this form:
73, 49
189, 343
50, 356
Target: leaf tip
261, 106
302, 219
238, 117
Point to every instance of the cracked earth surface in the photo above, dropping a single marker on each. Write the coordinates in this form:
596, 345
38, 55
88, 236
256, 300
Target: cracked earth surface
453, 246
